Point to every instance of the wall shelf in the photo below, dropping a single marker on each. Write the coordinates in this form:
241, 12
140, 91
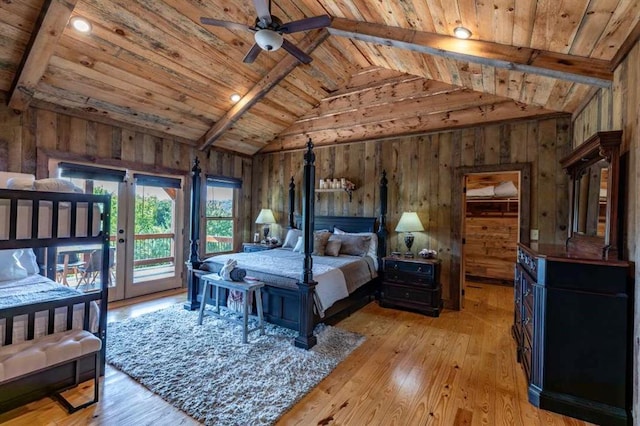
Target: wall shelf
348, 191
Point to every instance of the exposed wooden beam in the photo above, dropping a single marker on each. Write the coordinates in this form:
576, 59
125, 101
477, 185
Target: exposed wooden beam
53, 18
577, 69
308, 44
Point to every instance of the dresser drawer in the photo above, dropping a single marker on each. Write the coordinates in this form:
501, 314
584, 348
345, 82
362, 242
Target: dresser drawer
425, 270
399, 277
410, 294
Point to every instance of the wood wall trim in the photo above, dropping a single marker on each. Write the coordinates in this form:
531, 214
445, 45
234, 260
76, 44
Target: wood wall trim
308, 44
629, 43
577, 69
53, 18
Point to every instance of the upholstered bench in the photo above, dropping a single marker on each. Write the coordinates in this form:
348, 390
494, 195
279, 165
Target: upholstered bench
46, 352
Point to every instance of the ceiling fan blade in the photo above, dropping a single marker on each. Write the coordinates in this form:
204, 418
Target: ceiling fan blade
299, 54
225, 24
306, 24
263, 8
252, 54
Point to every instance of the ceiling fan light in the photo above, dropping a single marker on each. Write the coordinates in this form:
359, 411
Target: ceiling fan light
268, 40
462, 33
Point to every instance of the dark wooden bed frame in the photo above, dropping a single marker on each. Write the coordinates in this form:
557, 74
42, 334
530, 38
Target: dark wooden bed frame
286, 307
36, 386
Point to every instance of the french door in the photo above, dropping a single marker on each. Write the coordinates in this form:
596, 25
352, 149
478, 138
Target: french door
146, 230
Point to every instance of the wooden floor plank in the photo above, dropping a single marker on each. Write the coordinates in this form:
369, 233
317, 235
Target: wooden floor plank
458, 369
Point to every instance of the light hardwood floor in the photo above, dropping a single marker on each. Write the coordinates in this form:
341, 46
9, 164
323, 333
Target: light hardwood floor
458, 369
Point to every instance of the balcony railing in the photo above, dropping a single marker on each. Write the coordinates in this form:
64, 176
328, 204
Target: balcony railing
152, 250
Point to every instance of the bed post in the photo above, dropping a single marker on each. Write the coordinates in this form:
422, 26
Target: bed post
382, 227
305, 338
292, 203
194, 235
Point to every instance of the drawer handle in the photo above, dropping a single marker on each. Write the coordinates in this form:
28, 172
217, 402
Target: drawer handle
419, 268
527, 292
526, 321
406, 295
395, 267
525, 349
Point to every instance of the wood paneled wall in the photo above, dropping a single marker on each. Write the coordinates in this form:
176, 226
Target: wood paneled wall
420, 171
28, 139
619, 109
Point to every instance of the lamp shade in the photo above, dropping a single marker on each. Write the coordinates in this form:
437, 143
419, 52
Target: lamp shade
409, 222
265, 216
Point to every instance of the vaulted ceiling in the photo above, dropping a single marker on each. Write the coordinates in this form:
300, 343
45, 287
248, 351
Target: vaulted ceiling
381, 69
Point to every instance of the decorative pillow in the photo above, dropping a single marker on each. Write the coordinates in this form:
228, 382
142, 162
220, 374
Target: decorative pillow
373, 246
11, 269
292, 238
333, 247
22, 183
55, 185
354, 245
299, 248
320, 240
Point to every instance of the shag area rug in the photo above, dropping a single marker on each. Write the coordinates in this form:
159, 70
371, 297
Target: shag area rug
207, 372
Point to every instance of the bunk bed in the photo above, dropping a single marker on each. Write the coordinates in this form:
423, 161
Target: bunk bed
34, 307
294, 306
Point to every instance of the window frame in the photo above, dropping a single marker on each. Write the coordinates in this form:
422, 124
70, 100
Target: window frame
219, 182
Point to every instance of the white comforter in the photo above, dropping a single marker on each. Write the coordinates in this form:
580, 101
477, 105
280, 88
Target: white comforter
36, 288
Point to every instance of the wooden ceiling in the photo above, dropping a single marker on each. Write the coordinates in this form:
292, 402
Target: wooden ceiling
382, 69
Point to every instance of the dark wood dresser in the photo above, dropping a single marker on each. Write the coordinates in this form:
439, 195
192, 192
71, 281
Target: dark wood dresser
573, 327
412, 283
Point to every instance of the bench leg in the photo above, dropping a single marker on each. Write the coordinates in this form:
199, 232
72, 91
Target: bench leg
96, 387
245, 315
258, 294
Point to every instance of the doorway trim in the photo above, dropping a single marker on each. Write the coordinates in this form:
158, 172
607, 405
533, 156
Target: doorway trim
457, 230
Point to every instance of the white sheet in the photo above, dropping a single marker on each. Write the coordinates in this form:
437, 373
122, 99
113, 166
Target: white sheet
30, 287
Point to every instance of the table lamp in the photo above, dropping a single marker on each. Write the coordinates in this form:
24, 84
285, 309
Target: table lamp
265, 218
409, 222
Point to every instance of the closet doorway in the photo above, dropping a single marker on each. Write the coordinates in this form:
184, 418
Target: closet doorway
145, 234
491, 215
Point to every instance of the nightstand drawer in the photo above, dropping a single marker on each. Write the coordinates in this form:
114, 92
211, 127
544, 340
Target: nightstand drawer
410, 294
398, 277
420, 269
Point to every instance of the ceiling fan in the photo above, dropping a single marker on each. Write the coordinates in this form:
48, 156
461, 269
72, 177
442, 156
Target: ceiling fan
269, 30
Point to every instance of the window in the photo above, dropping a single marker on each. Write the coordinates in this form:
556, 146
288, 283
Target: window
219, 214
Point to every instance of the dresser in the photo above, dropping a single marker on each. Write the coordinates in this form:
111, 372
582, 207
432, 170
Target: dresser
573, 328
412, 284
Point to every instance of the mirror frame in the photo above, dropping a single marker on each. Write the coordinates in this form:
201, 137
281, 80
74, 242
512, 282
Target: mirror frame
602, 145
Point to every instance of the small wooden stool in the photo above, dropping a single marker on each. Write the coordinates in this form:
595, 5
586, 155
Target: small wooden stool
246, 287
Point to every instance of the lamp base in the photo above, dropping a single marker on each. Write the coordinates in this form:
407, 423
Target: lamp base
408, 241
409, 254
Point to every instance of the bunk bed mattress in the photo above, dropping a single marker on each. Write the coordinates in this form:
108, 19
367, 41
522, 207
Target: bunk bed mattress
34, 289
45, 214
337, 276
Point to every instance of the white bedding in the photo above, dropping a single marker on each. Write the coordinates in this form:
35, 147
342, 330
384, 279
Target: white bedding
36, 288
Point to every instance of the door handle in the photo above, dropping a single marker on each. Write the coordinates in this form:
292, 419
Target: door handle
121, 240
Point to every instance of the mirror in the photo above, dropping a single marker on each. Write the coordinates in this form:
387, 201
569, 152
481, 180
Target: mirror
591, 200
594, 168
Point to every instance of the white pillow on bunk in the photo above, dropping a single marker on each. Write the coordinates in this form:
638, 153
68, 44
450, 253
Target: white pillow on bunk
56, 185
22, 183
506, 189
27, 259
11, 270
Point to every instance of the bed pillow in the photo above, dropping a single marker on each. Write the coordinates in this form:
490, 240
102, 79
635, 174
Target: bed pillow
11, 269
56, 185
299, 245
354, 245
320, 240
22, 183
373, 245
27, 259
333, 247
506, 189
292, 238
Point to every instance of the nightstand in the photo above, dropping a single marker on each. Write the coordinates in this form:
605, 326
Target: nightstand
412, 283
251, 247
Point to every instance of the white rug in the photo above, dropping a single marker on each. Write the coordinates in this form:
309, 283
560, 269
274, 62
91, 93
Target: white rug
208, 372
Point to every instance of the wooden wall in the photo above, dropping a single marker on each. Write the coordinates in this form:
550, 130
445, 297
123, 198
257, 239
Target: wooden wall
420, 171
619, 109
28, 139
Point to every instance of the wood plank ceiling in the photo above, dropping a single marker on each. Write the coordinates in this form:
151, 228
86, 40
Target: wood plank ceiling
382, 69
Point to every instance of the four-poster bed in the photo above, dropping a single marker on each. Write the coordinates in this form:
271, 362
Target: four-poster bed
293, 306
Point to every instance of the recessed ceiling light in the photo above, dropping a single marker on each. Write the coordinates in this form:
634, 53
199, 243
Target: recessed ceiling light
235, 97
462, 32
80, 24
